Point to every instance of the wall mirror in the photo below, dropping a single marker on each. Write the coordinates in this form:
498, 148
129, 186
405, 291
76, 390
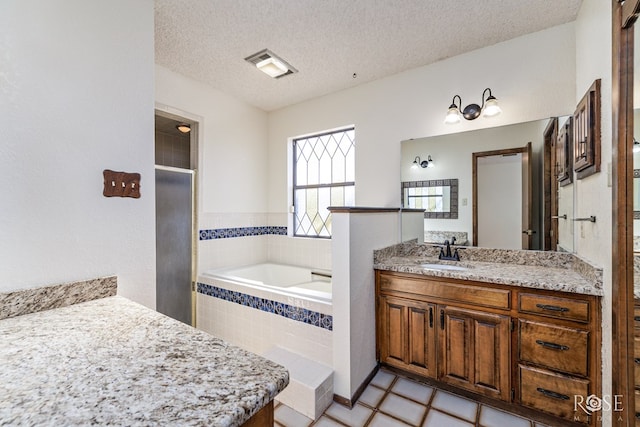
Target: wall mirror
453, 160
438, 197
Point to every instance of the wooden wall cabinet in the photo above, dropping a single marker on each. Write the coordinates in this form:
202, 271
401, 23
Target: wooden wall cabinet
586, 133
564, 150
531, 348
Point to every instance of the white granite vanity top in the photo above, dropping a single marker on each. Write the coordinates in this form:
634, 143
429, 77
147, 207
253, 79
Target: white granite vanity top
533, 269
111, 361
539, 277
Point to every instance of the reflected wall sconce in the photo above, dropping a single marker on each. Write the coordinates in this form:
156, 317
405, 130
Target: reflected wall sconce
636, 146
429, 163
184, 127
489, 108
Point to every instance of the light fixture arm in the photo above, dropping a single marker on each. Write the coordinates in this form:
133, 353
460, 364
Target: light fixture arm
487, 98
453, 102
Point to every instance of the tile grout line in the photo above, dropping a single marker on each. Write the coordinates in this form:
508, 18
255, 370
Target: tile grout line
428, 406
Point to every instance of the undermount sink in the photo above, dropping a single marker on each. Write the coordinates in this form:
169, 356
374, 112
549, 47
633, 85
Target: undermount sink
443, 267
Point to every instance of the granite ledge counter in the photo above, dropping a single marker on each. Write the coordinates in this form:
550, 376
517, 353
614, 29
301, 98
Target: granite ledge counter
563, 272
111, 361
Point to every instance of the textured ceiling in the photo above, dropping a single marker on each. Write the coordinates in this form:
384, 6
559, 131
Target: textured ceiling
330, 40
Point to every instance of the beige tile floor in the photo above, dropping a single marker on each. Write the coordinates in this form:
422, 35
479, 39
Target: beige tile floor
391, 400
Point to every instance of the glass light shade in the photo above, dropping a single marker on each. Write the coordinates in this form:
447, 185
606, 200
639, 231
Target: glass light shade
184, 128
636, 146
431, 163
272, 67
453, 116
491, 107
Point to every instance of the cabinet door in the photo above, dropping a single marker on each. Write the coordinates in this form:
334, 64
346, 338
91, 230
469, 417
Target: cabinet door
421, 348
475, 351
407, 338
393, 330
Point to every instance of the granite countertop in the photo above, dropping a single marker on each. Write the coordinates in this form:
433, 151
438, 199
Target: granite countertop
532, 269
111, 361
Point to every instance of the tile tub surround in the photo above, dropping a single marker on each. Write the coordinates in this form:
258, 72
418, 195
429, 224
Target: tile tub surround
112, 361
535, 269
289, 311
48, 297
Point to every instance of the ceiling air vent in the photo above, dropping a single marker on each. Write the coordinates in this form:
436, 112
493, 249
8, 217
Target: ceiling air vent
270, 64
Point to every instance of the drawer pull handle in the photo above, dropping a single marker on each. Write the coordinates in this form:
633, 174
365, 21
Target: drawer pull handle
552, 308
431, 317
637, 360
636, 318
552, 345
552, 394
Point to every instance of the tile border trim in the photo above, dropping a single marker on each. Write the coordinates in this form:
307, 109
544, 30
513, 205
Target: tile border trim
226, 233
299, 314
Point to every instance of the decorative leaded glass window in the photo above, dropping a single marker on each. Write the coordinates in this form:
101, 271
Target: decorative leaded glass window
323, 176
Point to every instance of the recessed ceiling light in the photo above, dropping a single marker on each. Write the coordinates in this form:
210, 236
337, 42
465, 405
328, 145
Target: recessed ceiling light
272, 67
270, 64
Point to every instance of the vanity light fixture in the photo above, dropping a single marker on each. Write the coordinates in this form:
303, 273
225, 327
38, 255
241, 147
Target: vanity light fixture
422, 163
636, 146
184, 127
489, 108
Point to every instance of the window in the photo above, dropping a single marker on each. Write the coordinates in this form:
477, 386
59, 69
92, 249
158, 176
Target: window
323, 176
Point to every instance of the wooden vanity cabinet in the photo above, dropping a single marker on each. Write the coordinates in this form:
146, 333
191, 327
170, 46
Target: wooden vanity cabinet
474, 350
420, 330
409, 331
558, 352
524, 346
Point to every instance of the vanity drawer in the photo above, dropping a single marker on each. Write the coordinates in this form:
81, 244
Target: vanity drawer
461, 293
550, 392
556, 347
551, 306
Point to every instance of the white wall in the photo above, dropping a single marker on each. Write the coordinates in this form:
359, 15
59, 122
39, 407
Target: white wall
355, 237
232, 166
232, 149
593, 194
76, 97
413, 104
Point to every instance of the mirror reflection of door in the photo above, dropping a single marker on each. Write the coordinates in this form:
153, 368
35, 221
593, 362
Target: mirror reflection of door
502, 198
